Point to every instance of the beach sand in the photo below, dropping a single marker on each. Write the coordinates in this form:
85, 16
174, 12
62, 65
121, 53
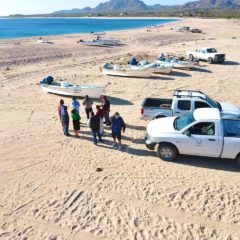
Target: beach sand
50, 187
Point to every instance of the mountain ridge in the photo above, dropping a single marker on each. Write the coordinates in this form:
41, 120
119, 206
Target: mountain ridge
121, 6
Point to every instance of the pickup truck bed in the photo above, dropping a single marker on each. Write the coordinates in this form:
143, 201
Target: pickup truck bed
156, 102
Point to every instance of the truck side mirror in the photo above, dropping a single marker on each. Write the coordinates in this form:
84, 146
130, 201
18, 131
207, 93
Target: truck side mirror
187, 133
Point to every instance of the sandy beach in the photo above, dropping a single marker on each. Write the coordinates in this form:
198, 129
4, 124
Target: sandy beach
50, 187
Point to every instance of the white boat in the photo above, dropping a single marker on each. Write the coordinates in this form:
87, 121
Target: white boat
176, 63
157, 68
116, 70
100, 43
94, 43
67, 89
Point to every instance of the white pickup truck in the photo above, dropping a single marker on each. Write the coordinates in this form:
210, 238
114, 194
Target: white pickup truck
183, 101
205, 132
208, 54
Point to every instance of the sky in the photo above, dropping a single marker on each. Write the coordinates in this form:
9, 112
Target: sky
8, 7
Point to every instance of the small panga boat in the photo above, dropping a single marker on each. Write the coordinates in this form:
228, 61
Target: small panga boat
157, 68
175, 62
67, 89
116, 70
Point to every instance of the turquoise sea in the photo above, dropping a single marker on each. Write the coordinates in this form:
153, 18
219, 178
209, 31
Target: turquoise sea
29, 27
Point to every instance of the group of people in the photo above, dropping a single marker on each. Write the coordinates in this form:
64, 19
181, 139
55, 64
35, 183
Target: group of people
95, 120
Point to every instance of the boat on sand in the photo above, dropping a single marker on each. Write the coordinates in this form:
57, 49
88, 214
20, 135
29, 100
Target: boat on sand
175, 62
157, 68
68, 89
116, 70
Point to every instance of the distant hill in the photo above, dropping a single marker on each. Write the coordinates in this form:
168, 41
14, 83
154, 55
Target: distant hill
114, 6
213, 4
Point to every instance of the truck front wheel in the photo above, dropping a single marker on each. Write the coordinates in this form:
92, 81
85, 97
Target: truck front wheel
210, 60
166, 152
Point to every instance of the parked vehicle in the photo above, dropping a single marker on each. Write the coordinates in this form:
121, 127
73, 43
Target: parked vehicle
196, 30
183, 101
207, 54
202, 133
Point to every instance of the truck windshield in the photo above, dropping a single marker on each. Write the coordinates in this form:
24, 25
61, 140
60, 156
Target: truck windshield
183, 121
213, 103
211, 50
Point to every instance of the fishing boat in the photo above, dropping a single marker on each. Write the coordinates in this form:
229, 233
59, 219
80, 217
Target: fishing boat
100, 43
175, 62
116, 70
68, 89
157, 68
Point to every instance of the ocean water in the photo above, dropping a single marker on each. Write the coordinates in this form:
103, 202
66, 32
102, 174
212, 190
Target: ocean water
29, 27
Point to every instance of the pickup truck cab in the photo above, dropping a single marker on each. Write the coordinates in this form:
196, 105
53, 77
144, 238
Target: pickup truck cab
205, 132
207, 54
183, 101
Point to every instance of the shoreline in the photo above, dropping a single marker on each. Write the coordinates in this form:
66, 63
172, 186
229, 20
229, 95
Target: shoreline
175, 20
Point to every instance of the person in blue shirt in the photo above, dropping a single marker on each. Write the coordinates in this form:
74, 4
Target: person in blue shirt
117, 125
65, 120
75, 104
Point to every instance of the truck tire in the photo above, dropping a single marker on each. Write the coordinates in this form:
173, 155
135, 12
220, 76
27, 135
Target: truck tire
167, 152
159, 116
210, 60
191, 58
238, 160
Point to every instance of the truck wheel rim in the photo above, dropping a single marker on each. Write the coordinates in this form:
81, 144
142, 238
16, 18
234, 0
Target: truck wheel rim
166, 152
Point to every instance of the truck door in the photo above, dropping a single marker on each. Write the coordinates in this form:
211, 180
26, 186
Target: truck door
181, 107
202, 140
202, 54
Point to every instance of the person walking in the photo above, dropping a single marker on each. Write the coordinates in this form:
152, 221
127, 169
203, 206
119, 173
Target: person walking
87, 102
75, 104
106, 110
60, 106
100, 114
95, 127
65, 120
76, 122
118, 125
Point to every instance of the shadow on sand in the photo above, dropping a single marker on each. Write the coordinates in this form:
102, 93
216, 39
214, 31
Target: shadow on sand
199, 69
113, 100
179, 74
119, 101
155, 77
211, 163
231, 63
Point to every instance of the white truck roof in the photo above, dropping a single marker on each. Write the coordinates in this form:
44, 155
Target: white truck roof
203, 114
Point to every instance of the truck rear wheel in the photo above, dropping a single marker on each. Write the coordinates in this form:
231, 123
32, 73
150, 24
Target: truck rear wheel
166, 152
210, 60
159, 116
191, 57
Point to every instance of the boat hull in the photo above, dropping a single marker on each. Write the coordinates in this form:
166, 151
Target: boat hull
139, 73
76, 91
178, 65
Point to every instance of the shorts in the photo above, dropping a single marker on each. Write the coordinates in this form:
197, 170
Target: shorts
76, 125
117, 135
